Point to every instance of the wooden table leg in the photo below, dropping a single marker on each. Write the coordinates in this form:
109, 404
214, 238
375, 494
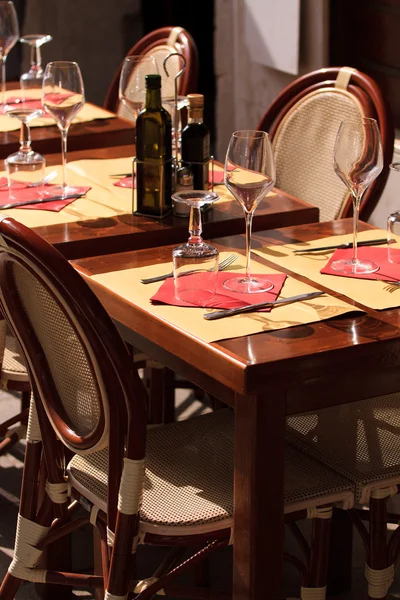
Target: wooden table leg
258, 492
340, 556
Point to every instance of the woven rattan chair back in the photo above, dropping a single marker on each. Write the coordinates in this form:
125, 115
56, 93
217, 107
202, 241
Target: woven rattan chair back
75, 357
159, 44
303, 122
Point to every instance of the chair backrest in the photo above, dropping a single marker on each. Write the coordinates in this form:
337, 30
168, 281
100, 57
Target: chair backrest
79, 367
303, 122
159, 44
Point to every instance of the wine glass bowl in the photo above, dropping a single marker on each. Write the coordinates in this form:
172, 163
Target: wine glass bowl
358, 160
25, 166
196, 262
9, 34
63, 96
33, 79
249, 175
132, 84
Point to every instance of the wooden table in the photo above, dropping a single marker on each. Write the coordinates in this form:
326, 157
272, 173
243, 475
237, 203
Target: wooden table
265, 377
131, 232
93, 134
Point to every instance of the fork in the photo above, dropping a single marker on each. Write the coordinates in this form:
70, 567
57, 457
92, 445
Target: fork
224, 264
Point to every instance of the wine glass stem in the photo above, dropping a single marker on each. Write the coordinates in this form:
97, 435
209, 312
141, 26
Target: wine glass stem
25, 139
249, 219
195, 228
64, 133
356, 209
3, 80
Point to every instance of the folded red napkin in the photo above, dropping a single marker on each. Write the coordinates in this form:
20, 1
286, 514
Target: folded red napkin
125, 182
388, 271
21, 193
223, 298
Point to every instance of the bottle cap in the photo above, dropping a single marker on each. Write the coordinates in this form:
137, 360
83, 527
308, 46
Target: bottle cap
195, 100
153, 82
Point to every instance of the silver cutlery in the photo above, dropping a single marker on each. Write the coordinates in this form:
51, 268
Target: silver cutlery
253, 307
44, 201
342, 246
224, 264
52, 175
120, 175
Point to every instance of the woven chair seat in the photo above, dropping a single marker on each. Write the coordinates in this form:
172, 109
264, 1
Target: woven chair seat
13, 366
361, 441
189, 477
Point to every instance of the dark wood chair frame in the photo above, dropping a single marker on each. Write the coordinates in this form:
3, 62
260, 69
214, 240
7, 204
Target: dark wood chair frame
188, 80
373, 103
127, 438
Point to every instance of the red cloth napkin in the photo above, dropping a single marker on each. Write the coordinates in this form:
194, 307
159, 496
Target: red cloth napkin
223, 298
125, 182
22, 192
22, 103
388, 271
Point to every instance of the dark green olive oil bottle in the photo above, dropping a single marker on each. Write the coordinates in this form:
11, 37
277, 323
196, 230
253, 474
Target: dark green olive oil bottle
154, 170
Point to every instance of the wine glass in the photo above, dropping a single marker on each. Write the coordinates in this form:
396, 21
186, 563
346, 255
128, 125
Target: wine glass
25, 166
249, 175
9, 34
63, 97
358, 160
132, 84
33, 79
196, 262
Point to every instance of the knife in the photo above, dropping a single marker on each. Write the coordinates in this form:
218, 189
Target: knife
253, 307
27, 202
342, 246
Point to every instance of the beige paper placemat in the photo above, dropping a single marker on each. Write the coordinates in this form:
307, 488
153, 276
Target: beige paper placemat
98, 203
127, 285
372, 293
99, 172
89, 112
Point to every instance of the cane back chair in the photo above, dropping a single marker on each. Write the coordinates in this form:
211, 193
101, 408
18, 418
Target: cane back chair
88, 399
159, 44
303, 122
13, 377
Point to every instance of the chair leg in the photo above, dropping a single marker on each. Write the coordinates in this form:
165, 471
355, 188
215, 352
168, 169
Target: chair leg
9, 587
319, 556
379, 573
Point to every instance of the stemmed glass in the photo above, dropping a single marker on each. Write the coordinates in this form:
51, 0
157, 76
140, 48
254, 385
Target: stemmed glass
249, 175
132, 84
358, 160
196, 262
9, 34
25, 165
63, 97
33, 79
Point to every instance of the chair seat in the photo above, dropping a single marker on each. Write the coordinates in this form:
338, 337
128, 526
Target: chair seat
13, 366
189, 477
361, 441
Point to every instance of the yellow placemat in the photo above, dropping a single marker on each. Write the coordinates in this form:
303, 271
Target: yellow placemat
127, 285
98, 203
99, 172
372, 293
89, 112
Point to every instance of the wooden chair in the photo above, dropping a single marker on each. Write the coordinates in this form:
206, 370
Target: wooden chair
174, 488
303, 122
361, 441
160, 43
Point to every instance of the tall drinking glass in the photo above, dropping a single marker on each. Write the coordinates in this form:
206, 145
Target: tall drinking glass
249, 175
132, 83
63, 97
9, 34
358, 160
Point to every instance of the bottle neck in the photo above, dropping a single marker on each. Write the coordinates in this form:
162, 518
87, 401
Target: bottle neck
195, 115
153, 99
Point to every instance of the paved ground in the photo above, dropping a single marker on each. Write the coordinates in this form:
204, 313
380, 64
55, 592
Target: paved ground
221, 564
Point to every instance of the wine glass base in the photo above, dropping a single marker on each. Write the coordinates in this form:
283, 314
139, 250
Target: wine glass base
246, 285
354, 267
63, 191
